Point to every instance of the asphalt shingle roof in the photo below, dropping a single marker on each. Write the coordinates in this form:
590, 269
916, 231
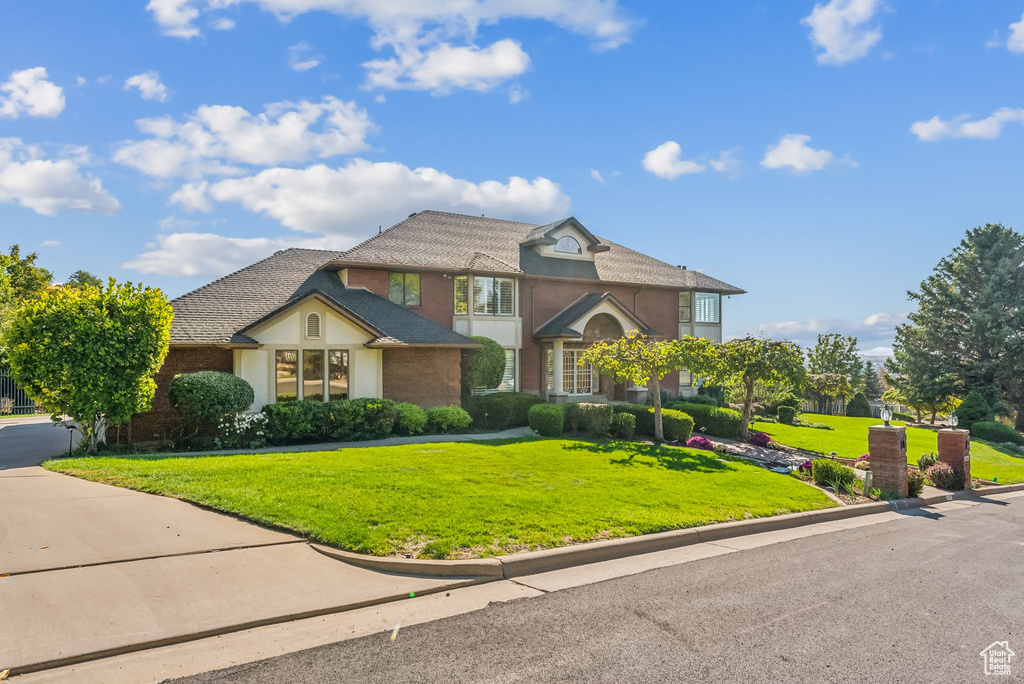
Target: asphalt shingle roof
224, 310
436, 239
559, 325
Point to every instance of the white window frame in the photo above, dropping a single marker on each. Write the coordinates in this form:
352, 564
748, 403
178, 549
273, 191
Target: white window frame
300, 379
578, 250
496, 298
578, 374
700, 312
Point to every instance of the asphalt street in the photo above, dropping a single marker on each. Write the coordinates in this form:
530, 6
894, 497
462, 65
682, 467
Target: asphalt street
30, 441
913, 600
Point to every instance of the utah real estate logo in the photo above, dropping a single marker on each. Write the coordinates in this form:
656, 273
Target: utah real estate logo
997, 658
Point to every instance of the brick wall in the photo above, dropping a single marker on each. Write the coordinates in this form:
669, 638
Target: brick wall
156, 424
888, 449
427, 377
437, 293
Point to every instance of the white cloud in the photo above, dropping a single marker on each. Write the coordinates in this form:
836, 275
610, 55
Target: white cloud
149, 86
727, 162
51, 243
49, 186
876, 328
29, 92
207, 255
216, 138
380, 99
445, 67
792, 151
989, 128
1015, 43
172, 222
175, 17
302, 57
664, 161
517, 93
80, 81
596, 175
351, 199
433, 41
843, 29
223, 24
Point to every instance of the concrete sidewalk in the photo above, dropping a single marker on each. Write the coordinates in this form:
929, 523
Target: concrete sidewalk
88, 570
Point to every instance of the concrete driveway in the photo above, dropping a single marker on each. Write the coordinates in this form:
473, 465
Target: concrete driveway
88, 570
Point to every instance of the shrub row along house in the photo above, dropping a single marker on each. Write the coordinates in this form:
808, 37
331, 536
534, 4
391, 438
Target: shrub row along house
390, 317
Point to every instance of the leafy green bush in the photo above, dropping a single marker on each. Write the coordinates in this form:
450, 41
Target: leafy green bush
483, 367
826, 472
996, 432
791, 400
644, 417
359, 419
944, 476
595, 419
678, 426
501, 410
207, 397
787, 414
547, 420
411, 419
915, 483
925, 462
975, 408
448, 419
858, 406
623, 425
700, 399
721, 394
905, 417
711, 420
242, 431
295, 422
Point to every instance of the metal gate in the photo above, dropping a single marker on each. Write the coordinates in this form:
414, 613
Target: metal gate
13, 400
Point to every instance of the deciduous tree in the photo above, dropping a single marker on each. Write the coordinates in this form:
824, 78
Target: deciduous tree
749, 360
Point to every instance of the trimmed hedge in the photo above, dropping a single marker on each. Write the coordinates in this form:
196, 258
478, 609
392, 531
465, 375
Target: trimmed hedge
644, 416
825, 472
595, 419
623, 425
294, 422
858, 406
348, 420
996, 432
678, 426
717, 422
547, 420
482, 367
411, 420
787, 414
448, 419
699, 399
207, 397
501, 410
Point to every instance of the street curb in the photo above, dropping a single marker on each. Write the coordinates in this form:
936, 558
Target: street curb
533, 562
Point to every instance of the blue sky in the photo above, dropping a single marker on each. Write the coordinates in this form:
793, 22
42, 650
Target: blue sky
823, 157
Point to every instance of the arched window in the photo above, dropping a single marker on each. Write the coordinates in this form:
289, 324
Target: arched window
313, 326
567, 245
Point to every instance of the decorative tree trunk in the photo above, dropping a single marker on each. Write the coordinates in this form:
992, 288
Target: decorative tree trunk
659, 429
748, 407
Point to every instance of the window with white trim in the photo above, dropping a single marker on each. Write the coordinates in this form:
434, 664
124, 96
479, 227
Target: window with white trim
685, 312
685, 378
567, 244
493, 296
577, 378
461, 295
404, 288
313, 326
708, 305
311, 374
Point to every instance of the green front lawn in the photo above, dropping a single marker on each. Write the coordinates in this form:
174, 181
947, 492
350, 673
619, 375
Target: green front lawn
850, 440
462, 500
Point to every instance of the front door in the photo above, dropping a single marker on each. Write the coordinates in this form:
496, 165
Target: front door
576, 379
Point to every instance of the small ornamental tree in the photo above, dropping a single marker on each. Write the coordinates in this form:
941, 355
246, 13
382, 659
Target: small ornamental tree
825, 387
90, 353
643, 361
750, 360
483, 367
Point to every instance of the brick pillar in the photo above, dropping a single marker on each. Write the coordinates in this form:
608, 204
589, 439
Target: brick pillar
888, 449
955, 449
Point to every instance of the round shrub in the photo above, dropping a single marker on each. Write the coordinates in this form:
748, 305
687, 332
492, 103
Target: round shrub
995, 432
717, 422
448, 419
623, 425
296, 422
787, 414
547, 420
644, 416
791, 400
700, 442
944, 476
858, 406
925, 462
483, 367
359, 419
595, 419
411, 419
677, 425
759, 439
208, 396
974, 408
501, 410
915, 483
701, 399
827, 472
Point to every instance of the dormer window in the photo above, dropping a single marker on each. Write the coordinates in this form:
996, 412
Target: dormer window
567, 244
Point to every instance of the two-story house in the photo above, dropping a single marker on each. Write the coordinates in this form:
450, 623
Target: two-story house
390, 317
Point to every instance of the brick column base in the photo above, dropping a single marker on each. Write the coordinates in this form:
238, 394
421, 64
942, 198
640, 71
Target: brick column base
888, 449
955, 449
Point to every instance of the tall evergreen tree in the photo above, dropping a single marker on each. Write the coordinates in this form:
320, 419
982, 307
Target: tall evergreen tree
872, 382
968, 331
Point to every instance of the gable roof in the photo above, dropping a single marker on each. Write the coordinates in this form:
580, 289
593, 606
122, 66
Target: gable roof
458, 242
558, 326
226, 309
